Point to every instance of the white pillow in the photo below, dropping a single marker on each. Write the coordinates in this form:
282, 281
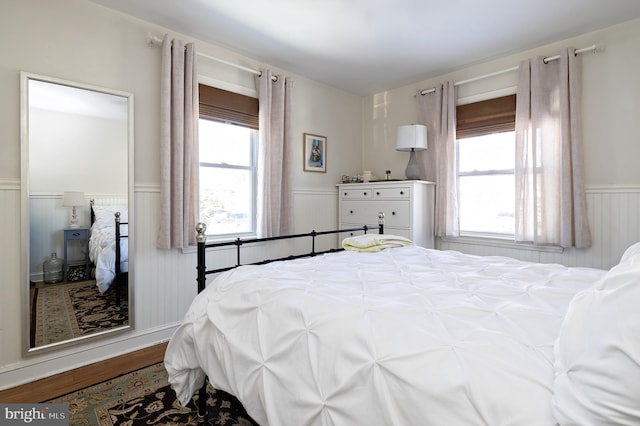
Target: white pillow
631, 252
597, 354
105, 216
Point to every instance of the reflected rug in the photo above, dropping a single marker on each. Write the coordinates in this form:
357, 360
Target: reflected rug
144, 397
69, 310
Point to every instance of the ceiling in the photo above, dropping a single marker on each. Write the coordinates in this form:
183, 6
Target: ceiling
368, 46
61, 97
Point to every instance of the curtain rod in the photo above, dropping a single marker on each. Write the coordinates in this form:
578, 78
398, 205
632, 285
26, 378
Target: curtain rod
151, 39
593, 48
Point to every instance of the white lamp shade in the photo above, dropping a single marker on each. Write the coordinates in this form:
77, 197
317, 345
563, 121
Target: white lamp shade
412, 136
73, 199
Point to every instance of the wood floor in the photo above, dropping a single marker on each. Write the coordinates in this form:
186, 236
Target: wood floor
63, 383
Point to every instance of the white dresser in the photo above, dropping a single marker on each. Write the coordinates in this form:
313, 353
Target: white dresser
407, 206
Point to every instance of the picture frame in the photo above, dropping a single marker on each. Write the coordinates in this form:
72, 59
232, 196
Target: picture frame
314, 153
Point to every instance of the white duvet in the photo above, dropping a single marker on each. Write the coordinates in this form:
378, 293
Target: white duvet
102, 252
405, 336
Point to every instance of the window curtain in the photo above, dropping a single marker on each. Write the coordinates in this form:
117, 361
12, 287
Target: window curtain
437, 110
550, 197
179, 167
273, 198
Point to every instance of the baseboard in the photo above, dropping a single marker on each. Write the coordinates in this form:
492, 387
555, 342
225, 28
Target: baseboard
69, 381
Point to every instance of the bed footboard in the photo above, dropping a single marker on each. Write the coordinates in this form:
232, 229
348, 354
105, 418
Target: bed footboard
120, 276
202, 271
201, 240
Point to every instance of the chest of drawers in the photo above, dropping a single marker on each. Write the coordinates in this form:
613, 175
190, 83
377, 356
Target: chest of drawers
407, 207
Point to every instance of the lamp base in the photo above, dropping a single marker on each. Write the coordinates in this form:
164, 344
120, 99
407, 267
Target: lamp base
413, 170
73, 223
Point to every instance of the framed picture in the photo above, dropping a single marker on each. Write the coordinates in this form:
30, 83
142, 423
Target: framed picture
315, 153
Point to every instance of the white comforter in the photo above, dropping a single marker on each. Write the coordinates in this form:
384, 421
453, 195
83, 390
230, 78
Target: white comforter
102, 252
406, 336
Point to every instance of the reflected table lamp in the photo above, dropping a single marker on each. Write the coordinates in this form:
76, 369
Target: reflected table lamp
73, 199
412, 137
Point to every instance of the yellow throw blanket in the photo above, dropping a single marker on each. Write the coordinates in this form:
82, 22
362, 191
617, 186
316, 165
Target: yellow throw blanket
374, 242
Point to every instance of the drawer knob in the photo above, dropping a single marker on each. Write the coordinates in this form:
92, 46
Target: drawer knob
393, 213
345, 194
365, 193
377, 192
351, 211
76, 234
401, 192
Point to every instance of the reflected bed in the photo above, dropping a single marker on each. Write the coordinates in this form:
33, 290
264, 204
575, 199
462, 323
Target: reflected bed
108, 245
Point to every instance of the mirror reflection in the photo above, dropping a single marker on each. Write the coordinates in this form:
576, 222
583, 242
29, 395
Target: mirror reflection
76, 152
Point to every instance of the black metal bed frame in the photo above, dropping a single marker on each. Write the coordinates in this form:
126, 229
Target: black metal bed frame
119, 276
202, 271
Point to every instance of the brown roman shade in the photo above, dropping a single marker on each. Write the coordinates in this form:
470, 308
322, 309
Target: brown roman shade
486, 117
230, 107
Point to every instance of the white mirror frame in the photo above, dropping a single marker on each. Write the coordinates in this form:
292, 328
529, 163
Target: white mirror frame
25, 77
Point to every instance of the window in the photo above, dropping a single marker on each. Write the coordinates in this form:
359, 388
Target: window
485, 155
228, 140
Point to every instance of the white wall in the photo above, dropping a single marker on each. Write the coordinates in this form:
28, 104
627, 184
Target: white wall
80, 41
611, 109
611, 105
61, 146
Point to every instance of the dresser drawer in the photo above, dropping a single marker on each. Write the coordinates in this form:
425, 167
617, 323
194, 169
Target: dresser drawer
356, 193
76, 234
402, 232
401, 193
359, 213
396, 213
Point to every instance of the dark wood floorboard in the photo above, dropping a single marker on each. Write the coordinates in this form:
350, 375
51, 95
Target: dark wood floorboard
63, 383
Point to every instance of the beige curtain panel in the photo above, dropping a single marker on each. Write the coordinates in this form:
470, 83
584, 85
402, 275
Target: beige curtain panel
437, 110
274, 152
179, 165
550, 196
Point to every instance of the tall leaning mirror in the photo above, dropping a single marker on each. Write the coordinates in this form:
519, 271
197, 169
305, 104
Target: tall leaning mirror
77, 202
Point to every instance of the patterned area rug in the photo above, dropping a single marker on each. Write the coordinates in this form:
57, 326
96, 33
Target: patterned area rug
144, 397
68, 310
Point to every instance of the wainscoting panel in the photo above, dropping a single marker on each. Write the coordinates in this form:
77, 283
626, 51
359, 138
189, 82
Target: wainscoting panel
164, 280
11, 301
316, 210
48, 218
614, 217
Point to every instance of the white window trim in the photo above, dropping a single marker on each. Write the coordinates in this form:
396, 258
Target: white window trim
499, 242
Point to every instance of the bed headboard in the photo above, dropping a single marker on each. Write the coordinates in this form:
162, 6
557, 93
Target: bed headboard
104, 202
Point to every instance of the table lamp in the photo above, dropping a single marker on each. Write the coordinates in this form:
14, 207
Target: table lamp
73, 199
412, 137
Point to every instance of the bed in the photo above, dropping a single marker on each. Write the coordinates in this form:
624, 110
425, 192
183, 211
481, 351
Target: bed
108, 246
411, 336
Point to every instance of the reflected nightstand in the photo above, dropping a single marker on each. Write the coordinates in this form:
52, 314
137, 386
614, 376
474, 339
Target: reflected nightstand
79, 237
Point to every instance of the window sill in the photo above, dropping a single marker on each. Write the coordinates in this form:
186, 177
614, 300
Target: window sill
500, 243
